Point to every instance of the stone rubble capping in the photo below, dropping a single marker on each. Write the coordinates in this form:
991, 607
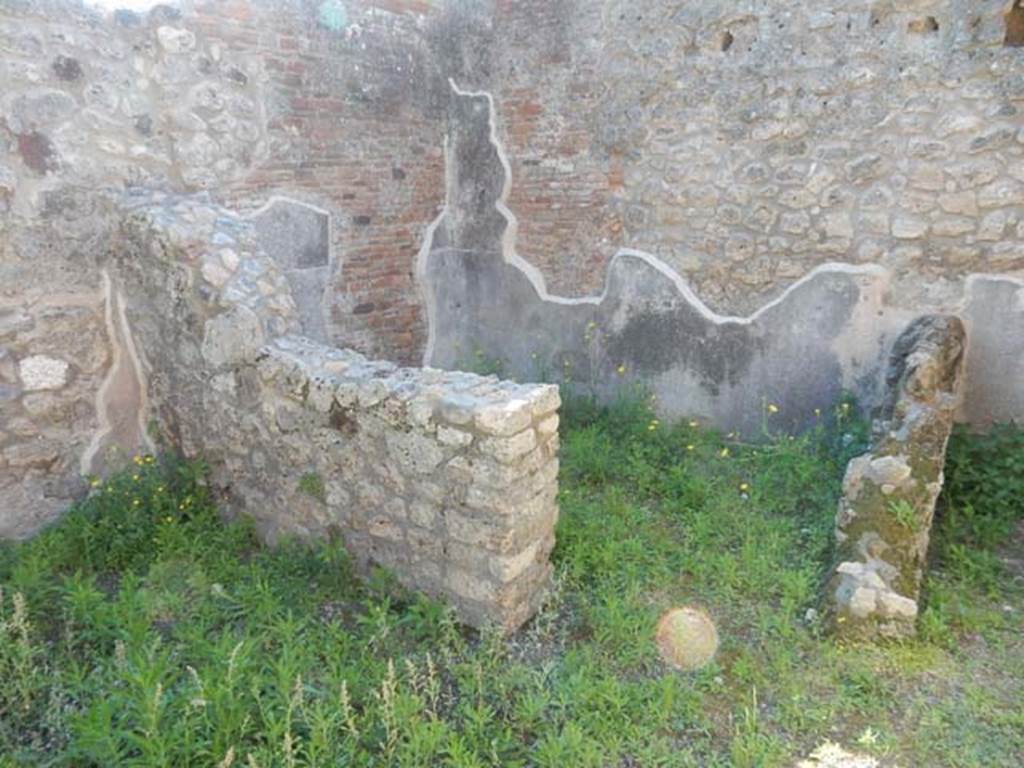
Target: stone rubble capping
448, 479
889, 494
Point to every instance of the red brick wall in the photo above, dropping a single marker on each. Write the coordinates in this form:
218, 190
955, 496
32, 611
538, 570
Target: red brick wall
563, 189
353, 130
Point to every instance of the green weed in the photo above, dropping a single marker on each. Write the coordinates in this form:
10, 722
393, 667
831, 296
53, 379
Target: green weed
312, 485
144, 631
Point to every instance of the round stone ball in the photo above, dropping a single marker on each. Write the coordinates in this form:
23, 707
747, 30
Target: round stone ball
687, 638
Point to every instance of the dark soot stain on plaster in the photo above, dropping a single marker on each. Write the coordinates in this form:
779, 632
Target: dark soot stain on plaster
655, 342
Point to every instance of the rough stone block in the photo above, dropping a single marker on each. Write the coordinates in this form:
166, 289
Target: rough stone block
889, 495
508, 449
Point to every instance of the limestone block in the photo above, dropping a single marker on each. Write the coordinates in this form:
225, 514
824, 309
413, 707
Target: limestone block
41, 372
547, 427
504, 419
962, 203
953, 226
40, 109
507, 449
455, 438
232, 337
1002, 193
909, 227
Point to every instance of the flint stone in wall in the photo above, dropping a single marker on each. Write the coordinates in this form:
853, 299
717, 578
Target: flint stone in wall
889, 494
40, 109
176, 40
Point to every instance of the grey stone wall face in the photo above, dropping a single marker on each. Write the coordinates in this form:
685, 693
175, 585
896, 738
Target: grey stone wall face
619, 176
745, 143
447, 479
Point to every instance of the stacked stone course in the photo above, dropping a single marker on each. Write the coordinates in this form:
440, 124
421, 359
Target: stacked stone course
448, 479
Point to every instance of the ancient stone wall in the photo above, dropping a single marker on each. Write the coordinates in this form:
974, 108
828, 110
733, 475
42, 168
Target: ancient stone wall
659, 185
251, 100
732, 204
745, 143
319, 127
448, 479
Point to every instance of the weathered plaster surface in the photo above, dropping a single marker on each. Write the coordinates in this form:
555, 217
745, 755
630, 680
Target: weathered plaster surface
647, 326
121, 401
297, 236
994, 386
746, 143
828, 332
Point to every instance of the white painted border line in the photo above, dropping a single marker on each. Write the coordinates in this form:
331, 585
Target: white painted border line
110, 297
536, 278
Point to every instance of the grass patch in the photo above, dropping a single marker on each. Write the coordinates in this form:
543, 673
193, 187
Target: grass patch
143, 631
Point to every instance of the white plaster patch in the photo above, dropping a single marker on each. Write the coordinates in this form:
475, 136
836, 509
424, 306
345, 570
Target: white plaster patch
41, 372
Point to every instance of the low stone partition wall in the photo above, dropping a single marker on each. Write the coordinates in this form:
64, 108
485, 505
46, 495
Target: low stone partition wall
448, 479
889, 494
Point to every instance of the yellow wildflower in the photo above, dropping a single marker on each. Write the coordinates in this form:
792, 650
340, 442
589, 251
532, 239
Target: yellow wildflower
690, 447
621, 369
724, 453
773, 408
744, 487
